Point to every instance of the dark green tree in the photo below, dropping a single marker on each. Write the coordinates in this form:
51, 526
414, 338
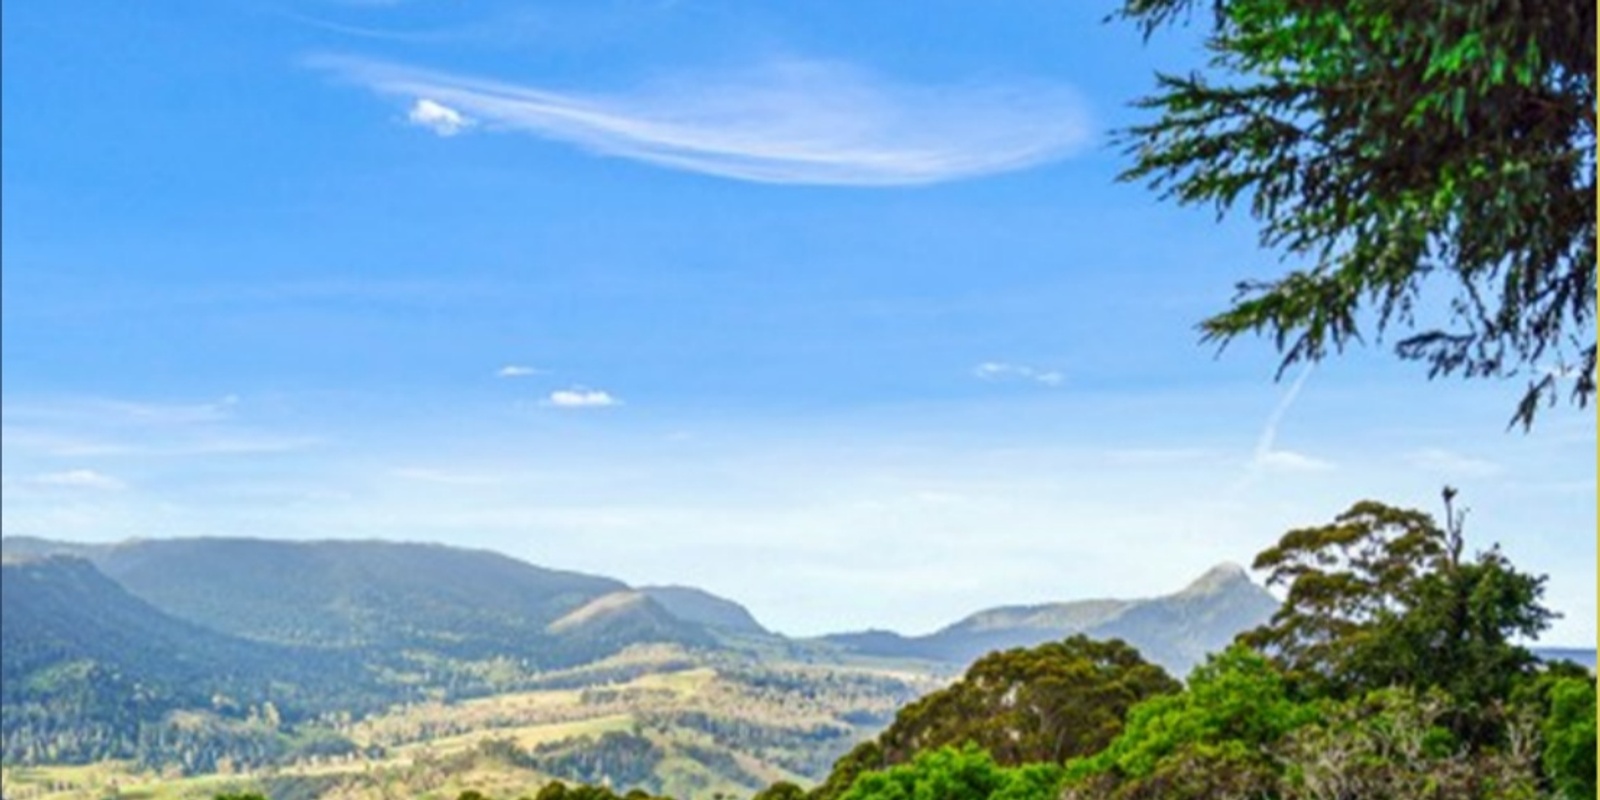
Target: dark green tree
1384, 596
554, 790
1039, 705
1430, 162
782, 790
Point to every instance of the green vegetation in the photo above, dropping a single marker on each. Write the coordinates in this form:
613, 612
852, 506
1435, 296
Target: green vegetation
948, 773
1390, 670
1388, 673
90, 673
1432, 162
1023, 706
1569, 736
1233, 708
156, 652
1385, 596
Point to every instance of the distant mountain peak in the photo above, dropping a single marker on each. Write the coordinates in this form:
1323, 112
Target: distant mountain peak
1175, 630
1220, 578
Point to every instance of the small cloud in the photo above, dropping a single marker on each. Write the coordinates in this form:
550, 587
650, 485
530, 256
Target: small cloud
517, 371
1450, 462
581, 398
79, 479
437, 117
1000, 370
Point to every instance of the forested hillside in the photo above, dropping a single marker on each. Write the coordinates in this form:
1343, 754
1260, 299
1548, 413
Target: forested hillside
91, 672
375, 595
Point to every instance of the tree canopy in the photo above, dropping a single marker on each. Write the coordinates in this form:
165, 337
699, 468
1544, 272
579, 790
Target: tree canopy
1234, 706
1384, 596
1431, 161
1036, 705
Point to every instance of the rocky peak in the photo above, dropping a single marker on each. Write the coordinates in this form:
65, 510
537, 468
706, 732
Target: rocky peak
1220, 578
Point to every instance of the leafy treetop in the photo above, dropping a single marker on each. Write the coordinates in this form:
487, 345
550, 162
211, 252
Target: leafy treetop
1039, 705
1384, 596
1397, 146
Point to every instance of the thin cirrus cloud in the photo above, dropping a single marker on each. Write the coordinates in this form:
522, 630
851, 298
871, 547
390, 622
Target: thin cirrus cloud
578, 397
517, 371
79, 479
788, 122
1450, 462
1267, 455
1000, 370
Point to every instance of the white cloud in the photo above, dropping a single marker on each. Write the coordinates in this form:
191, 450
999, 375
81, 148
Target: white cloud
581, 398
1450, 462
999, 370
789, 121
437, 117
517, 371
79, 479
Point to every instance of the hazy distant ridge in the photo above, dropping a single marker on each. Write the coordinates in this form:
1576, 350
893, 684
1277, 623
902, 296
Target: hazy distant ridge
1176, 630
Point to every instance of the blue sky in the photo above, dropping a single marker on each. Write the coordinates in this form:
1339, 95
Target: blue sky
833, 308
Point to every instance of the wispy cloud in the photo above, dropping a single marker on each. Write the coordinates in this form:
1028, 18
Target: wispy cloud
1267, 455
74, 428
517, 371
1000, 370
1450, 462
447, 476
789, 121
437, 117
123, 412
79, 479
578, 397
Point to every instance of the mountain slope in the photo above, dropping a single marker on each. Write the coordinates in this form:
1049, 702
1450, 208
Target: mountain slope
704, 608
381, 597
1175, 631
351, 593
88, 666
613, 621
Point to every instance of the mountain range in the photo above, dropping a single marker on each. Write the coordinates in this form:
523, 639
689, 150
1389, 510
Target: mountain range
384, 598
244, 651
1175, 631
